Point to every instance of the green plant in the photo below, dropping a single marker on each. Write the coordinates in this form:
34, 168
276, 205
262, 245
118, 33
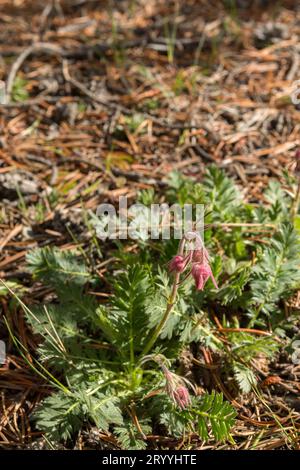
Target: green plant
19, 91
170, 35
103, 382
118, 362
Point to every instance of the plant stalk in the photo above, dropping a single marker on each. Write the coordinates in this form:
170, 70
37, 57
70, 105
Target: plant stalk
296, 202
170, 305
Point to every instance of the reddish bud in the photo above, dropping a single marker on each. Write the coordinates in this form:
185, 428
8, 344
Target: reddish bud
176, 389
177, 264
182, 397
201, 273
200, 256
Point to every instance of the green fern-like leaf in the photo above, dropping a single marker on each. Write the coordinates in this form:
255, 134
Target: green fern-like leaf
207, 413
233, 289
277, 273
162, 409
61, 415
102, 409
222, 195
278, 200
130, 438
124, 323
246, 346
184, 190
57, 268
215, 414
244, 376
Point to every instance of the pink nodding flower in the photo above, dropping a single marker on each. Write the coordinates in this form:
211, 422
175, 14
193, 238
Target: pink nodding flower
176, 389
201, 272
200, 256
177, 264
197, 259
182, 397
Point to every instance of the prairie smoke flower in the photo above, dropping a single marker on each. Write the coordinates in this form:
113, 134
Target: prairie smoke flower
182, 397
177, 264
201, 272
176, 389
176, 386
200, 256
197, 258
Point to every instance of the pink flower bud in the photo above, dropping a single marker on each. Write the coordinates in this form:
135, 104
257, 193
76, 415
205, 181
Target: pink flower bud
182, 397
200, 256
177, 264
201, 273
176, 389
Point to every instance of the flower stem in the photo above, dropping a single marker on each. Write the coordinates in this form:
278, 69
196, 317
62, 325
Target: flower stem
296, 202
170, 305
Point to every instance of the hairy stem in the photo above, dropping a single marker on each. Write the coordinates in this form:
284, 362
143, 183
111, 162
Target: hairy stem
171, 301
296, 202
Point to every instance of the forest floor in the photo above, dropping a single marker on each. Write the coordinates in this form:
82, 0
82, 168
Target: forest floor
104, 99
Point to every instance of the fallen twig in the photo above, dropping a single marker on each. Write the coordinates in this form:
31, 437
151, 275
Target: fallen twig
38, 47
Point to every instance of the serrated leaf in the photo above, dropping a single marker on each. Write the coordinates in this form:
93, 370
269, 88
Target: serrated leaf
215, 414
245, 377
57, 268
